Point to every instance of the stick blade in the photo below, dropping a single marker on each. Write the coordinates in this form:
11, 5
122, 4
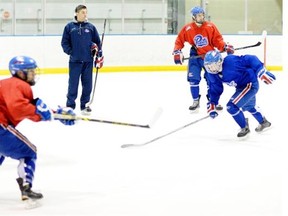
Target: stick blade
133, 145
156, 116
258, 44
128, 145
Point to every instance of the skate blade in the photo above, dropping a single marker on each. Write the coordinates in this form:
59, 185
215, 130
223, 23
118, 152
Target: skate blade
264, 130
195, 111
31, 203
243, 138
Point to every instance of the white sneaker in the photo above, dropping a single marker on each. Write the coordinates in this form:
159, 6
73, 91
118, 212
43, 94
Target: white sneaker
86, 111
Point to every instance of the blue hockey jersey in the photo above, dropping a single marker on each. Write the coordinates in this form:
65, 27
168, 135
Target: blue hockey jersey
237, 71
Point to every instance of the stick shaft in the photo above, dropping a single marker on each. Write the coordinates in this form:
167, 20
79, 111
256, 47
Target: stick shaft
113, 122
94, 87
97, 69
164, 135
238, 48
69, 117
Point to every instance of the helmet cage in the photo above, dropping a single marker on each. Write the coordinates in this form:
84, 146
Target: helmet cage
213, 62
214, 67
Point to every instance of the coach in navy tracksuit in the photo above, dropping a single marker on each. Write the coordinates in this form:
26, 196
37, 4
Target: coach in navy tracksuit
80, 40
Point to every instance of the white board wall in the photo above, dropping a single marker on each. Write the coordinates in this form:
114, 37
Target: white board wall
127, 50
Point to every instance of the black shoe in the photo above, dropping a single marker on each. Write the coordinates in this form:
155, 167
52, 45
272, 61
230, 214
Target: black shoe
86, 111
26, 192
263, 125
244, 131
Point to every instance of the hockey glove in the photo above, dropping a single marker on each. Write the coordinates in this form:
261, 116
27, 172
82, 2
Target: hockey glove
266, 76
94, 49
178, 57
67, 112
99, 60
211, 110
43, 110
99, 54
229, 49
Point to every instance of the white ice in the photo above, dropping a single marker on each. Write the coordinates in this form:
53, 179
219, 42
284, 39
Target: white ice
202, 170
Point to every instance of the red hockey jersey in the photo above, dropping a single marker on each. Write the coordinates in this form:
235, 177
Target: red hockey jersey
16, 99
205, 38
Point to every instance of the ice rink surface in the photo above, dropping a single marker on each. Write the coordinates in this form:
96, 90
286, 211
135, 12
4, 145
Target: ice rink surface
202, 170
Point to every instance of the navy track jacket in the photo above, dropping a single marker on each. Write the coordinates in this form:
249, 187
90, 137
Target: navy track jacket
77, 39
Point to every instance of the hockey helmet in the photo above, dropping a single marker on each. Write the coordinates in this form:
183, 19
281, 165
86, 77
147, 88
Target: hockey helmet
27, 65
21, 63
213, 61
196, 10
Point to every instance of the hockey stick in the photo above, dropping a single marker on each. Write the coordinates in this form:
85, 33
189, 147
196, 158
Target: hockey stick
96, 75
70, 117
164, 135
264, 38
239, 48
250, 46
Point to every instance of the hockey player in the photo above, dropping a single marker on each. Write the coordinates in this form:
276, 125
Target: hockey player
81, 41
203, 36
241, 72
16, 104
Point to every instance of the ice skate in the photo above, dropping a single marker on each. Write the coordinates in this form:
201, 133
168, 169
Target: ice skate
26, 192
263, 125
219, 107
244, 131
86, 111
195, 105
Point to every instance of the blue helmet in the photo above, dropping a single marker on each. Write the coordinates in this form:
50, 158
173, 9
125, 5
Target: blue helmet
21, 63
213, 61
196, 10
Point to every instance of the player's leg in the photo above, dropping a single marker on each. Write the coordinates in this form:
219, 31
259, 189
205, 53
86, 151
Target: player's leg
18, 147
73, 83
238, 103
194, 78
86, 80
257, 114
239, 118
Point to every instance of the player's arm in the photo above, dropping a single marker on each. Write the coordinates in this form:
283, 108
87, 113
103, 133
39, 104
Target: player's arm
260, 70
215, 88
96, 38
180, 39
66, 41
178, 46
219, 42
215, 91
